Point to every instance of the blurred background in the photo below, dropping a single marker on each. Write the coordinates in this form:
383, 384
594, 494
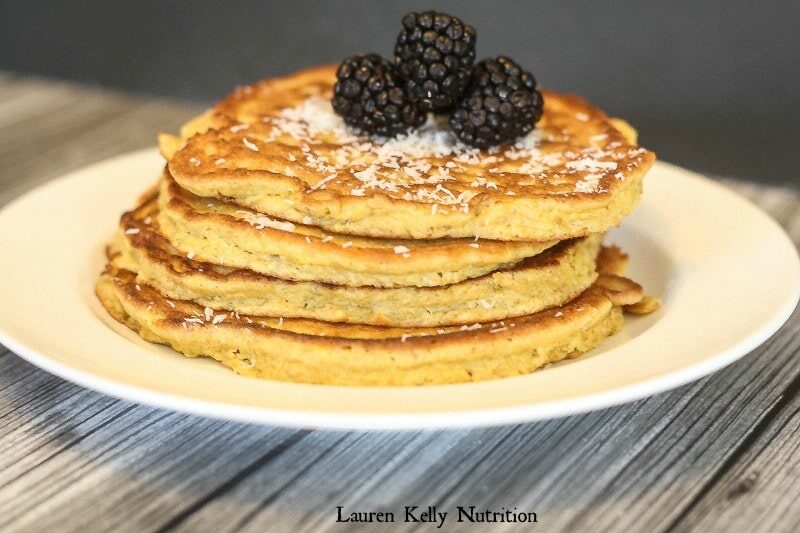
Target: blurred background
712, 85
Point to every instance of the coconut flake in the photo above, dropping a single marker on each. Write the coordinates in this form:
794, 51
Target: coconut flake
260, 221
250, 145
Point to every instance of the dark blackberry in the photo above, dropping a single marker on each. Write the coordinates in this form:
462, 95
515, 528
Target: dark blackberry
434, 54
501, 104
369, 96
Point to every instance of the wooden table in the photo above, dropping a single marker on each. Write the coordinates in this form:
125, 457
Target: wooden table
720, 454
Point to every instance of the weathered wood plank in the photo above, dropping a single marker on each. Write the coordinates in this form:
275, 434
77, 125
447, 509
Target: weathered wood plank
760, 488
51, 129
348, 469
125, 467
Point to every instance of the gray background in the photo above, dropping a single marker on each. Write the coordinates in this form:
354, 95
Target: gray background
710, 85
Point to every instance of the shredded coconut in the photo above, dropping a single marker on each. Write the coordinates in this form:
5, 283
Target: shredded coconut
260, 221
405, 166
588, 183
590, 164
250, 145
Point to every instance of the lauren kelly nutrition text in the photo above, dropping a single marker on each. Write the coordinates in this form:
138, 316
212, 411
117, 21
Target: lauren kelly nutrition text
431, 515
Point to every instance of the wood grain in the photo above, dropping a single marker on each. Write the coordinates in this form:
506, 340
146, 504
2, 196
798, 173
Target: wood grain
719, 454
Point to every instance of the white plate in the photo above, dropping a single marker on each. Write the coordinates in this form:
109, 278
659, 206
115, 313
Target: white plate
728, 274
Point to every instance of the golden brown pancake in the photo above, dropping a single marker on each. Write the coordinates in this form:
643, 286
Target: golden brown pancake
311, 351
545, 280
278, 148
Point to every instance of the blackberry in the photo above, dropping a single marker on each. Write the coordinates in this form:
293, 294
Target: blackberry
502, 103
434, 54
369, 96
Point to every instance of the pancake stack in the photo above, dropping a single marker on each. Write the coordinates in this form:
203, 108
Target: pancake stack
287, 246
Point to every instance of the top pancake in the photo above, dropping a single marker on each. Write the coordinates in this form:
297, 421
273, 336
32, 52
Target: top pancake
277, 147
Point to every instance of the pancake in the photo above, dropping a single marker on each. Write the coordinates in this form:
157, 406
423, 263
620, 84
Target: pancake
278, 148
234, 236
545, 280
311, 351
614, 262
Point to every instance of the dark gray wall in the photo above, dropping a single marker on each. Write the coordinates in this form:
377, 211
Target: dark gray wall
711, 85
